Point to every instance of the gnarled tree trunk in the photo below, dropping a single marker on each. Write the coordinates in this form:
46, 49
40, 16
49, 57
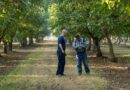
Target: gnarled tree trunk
30, 40
2, 36
111, 51
11, 45
97, 46
23, 42
5, 47
90, 44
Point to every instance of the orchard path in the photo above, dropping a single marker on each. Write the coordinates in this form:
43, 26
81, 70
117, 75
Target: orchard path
37, 72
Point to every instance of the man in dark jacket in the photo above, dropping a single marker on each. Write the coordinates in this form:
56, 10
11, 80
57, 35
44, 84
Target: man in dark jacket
61, 53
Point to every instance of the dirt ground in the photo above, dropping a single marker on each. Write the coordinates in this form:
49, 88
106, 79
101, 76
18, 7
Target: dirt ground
34, 69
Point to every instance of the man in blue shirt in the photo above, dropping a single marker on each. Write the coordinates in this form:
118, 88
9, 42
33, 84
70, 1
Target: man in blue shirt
80, 45
61, 53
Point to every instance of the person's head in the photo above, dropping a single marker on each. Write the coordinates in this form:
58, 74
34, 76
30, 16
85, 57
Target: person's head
64, 32
78, 36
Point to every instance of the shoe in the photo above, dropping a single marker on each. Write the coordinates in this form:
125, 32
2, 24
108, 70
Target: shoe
88, 73
58, 75
79, 74
63, 75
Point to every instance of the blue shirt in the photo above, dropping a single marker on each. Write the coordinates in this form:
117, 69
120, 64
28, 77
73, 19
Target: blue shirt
62, 41
80, 42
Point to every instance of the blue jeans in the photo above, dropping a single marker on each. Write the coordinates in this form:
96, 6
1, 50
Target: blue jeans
82, 58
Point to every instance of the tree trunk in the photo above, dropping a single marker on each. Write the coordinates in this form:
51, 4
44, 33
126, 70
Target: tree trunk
93, 47
11, 45
24, 42
90, 44
37, 39
97, 45
5, 47
30, 40
41, 39
1, 38
0, 55
2, 35
120, 40
129, 68
111, 51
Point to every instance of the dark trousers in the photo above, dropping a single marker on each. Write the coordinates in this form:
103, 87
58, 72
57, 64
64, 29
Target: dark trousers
61, 63
82, 58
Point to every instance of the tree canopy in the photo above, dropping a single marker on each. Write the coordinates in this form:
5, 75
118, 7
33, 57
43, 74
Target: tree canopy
93, 19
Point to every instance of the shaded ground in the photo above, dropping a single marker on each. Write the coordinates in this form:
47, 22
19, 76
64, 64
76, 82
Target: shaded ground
34, 69
7, 61
117, 73
37, 72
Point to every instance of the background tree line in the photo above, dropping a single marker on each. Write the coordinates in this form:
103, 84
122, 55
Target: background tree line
20, 19
94, 19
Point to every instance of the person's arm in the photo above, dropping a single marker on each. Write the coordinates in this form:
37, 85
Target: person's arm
74, 45
60, 44
84, 44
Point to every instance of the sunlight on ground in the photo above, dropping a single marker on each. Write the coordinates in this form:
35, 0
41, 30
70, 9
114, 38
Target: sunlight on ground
37, 72
127, 55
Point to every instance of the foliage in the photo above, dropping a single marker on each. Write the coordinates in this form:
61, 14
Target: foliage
23, 17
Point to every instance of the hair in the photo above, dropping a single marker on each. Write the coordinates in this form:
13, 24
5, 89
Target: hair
77, 36
64, 30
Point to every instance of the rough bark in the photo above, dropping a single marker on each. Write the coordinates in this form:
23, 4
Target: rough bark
23, 42
90, 44
30, 40
93, 47
5, 47
97, 45
11, 45
2, 35
37, 39
111, 50
119, 40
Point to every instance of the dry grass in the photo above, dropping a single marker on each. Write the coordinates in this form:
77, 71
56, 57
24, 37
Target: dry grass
37, 72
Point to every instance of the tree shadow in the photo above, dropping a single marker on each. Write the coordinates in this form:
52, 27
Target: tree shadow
9, 61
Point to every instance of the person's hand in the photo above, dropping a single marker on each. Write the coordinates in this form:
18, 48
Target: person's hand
65, 54
79, 47
63, 51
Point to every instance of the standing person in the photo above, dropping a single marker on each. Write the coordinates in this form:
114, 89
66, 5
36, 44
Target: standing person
61, 53
79, 44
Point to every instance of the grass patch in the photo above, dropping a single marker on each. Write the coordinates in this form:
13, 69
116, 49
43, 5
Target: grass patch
28, 77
